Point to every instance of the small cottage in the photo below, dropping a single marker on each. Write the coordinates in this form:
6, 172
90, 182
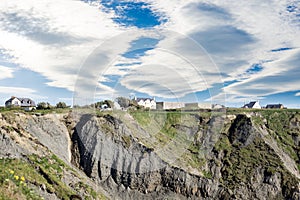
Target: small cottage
26, 103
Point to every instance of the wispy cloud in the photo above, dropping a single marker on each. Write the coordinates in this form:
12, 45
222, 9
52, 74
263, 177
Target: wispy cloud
176, 67
16, 91
210, 42
237, 36
6, 72
53, 38
279, 76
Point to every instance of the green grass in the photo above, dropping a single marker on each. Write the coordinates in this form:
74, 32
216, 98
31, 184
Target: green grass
239, 163
4, 109
127, 141
207, 174
41, 111
11, 111
52, 172
223, 143
165, 127
11, 171
278, 123
37, 171
192, 160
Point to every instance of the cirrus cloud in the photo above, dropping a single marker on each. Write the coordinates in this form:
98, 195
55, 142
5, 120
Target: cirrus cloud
56, 38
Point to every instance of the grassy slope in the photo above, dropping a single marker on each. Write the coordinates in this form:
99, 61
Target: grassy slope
278, 122
240, 162
18, 177
41, 112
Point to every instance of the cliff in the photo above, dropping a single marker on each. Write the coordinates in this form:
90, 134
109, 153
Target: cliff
153, 155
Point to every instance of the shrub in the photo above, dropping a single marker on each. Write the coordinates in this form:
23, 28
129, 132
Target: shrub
61, 105
43, 106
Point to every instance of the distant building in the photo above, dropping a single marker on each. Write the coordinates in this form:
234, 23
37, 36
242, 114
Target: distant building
25, 103
275, 106
169, 105
198, 105
252, 104
146, 102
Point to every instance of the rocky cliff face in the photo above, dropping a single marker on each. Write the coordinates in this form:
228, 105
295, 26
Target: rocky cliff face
188, 156
37, 148
241, 165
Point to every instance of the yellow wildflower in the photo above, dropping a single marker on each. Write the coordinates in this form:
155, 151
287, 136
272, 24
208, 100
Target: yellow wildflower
22, 178
24, 184
21, 182
11, 171
16, 177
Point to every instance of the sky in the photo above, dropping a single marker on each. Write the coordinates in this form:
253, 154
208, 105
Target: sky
227, 52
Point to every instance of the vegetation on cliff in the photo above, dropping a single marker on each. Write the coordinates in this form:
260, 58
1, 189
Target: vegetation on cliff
243, 153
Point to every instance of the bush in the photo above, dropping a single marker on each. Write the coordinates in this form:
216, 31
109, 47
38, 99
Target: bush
123, 102
61, 105
109, 104
43, 106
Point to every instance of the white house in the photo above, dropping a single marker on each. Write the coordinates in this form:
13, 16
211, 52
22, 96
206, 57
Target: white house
146, 102
25, 103
252, 104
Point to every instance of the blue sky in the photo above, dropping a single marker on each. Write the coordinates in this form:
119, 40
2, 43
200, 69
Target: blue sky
174, 50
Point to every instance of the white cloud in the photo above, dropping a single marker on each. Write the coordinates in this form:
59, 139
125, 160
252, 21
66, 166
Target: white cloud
16, 91
297, 94
237, 35
175, 68
55, 38
5, 72
97, 65
280, 76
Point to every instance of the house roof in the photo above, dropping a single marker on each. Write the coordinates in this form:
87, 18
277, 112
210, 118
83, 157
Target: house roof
274, 106
250, 105
11, 99
144, 99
